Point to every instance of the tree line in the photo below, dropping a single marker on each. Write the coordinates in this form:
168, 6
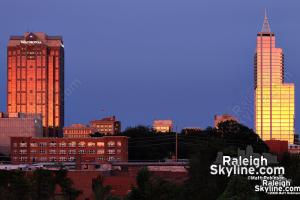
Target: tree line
145, 144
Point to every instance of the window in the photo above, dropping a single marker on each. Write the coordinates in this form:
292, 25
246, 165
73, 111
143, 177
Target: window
111, 158
33, 151
23, 151
33, 159
111, 151
101, 158
42, 144
33, 144
62, 159
15, 144
23, 158
72, 144
42, 151
23, 144
111, 144
81, 151
119, 143
72, 151
62, 152
100, 151
81, 144
62, 144
91, 151
71, 159
100, 144
52, 144
52, 159
91, 144
52, 151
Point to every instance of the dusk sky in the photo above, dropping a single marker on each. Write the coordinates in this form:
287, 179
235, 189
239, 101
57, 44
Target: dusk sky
141, 60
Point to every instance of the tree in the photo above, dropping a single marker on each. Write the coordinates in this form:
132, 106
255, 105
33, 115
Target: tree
150, 187
145, 144
227, 138
239, 188
100, 191
14, 185
201, 183
43, 184
239, 135
66, 185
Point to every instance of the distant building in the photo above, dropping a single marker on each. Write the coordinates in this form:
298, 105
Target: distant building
294, 148
163, 126
277, 146
35, 78
18, 124
191, 130
296, 139
98, 150
222, 118
78, 131
107, 126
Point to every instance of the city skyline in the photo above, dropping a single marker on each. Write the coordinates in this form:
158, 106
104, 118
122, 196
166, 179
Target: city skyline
185, 81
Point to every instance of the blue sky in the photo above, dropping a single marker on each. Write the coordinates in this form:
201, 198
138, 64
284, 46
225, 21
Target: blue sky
141, 60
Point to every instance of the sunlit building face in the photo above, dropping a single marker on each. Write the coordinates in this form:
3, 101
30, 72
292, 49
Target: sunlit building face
274, 99
35, 77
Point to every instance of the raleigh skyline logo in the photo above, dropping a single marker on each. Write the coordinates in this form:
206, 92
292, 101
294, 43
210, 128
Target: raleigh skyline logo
255, 167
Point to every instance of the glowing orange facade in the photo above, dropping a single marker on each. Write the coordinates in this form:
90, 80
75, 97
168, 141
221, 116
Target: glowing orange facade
35, 78
274, 99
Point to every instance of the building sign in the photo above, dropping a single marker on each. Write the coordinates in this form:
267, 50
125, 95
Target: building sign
30, 42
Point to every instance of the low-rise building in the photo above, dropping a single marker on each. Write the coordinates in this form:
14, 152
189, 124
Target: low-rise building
78, 131
18, 124
294, 148
222, 118
107, 125
278, 147
98, 149
163, 126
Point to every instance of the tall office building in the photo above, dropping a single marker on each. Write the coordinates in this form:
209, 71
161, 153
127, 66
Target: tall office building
274, 99
35, 78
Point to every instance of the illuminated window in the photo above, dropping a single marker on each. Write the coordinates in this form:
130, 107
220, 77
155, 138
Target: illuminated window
91, 144
100, 151
100, 144
111, 144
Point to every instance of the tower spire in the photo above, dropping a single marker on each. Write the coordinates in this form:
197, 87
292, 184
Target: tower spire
266, 26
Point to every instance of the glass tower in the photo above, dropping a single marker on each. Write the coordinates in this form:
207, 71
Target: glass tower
274, 99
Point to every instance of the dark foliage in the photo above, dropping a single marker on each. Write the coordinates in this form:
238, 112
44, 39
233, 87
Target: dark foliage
41, 184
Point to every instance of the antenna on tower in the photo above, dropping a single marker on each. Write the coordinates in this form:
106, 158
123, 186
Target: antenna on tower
266, 25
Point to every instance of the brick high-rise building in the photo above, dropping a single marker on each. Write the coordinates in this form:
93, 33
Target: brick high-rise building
274, 99
35, 78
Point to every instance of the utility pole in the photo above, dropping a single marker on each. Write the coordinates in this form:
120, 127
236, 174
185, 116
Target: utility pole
176, 154
176, 144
